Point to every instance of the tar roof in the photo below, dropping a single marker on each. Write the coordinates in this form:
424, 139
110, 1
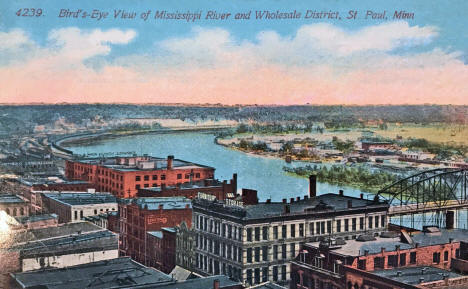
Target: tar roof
10, 198
416, 275
198, 283
115, 273
167, 203
357, 248
325, 202
160, 164
72, 199
36, 218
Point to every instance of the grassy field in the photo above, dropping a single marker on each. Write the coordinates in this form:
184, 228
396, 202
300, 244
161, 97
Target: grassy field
434, 133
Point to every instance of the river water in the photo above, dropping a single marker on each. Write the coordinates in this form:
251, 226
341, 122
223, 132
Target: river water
254, 172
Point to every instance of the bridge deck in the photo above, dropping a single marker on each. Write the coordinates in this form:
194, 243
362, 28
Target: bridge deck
426, 207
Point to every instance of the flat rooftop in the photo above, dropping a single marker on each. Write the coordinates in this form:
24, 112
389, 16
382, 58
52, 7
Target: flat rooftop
321, 204
150, 163
10, 199
357, 248
166, 203
49, 232
72, 199
198, 283
115, 273
35, 218
416, 275
188, 186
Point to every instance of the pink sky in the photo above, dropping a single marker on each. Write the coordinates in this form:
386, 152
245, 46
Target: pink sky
232, 73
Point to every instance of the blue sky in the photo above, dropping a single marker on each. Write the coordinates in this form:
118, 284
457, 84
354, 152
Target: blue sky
438, 30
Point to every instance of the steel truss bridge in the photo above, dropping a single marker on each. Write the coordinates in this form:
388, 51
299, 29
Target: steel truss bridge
434, 191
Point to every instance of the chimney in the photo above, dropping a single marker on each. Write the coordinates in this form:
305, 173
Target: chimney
306, 197
287, 209
350, 204
216, 284
291, 200
340, 192
249, 197
361, 196
268, 201
234, 183
284, 201
382, 250
312, 186
170, 159
298, 199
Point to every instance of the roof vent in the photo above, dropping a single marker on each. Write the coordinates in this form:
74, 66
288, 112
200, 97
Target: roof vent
365, 238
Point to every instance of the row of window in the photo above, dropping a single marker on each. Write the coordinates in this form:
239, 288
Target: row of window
227, 251
261, 254
14, 212
216, 227
163, 177
214, 267
315, 228
260, 275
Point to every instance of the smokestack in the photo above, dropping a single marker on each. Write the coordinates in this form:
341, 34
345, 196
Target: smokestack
361, 196
234, 183
340, 192
284, 201
312, 186
170, 159
268, 201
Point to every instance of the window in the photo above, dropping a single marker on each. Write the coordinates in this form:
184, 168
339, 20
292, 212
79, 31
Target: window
146, 185
293, 230
370, 222
382, 221
249, 255
137, 187
346, 225
95, 211
275, 232
249, 234
257, 254
81, 214
393, 260
412, 258
137, 178
275, 252
163, 177
361, 223
362, 264
257, 275
179, 176
301, 230
146, 178
275, 273
283, 272
376, 221
311, 228
283, 251
249, 276
76, 215
197, 175
436, 257
329, 226
283, 231
354, 224
264, 274
338, 226
403, 259
265, 233
257, 233
378, 263
265, 253
155, 177
446, 256
293, 250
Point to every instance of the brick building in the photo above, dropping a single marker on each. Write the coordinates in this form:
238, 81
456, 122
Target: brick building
221, 190
14, 205
161, 249
123, 176
371, 262
142, 215
74, 207
255, 242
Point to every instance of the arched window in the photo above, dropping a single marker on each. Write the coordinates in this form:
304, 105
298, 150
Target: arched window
14, 212
8, 211
22, 211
